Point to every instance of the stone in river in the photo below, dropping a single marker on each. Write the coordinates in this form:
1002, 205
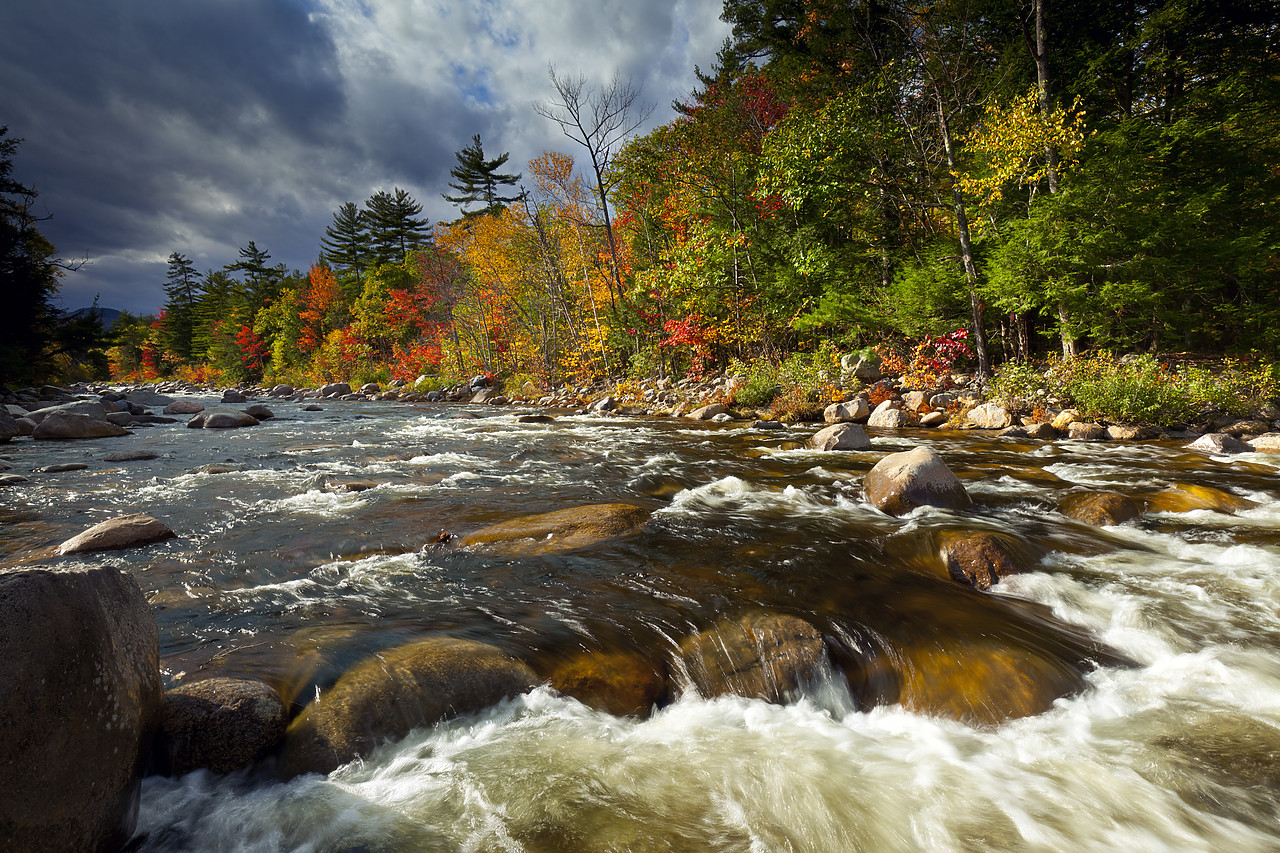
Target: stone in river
80, 669
118, 533
12, 480
840, 436
707, 412
562, 530
219, 724
1065, 419
222, 419
8, 426
1219, 442
1082, 431
886, 416
979, 559
1268, 443
184, 407
60, 468
130, 456
73, 425
856, 409
535, 419
933, 419
620, 683
1043, 430
978, 680
259, 411
900, 482
1185, 497
1101, 509
761, 655
385, 696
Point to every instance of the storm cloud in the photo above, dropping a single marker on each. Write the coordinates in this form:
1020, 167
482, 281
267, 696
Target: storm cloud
154, 126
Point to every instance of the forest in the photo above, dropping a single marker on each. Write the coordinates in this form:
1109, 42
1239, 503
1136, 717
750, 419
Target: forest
1037, 177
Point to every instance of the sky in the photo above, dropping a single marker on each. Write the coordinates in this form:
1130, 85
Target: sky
195, 126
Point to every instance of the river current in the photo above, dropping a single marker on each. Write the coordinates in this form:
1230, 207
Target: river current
281, 574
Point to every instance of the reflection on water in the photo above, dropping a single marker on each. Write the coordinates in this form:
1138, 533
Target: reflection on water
1154, 646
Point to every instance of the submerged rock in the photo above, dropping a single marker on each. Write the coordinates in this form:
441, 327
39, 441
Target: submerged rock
562, 530
1185, 497
761, 655
1101, 509
118, 533
385, 696
131, 456
900, 482
79, 661
978, 680
840, 436
219, 724
619, 683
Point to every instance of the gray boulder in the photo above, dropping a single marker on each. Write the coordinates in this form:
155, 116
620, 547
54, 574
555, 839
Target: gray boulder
1219, 442
231, 395
888, 416
900, 482
219, 724
79, 661
857, 409
92, 408
118, 533
844, 436
148, 399
259, 411
385, 696
706, 413
339, 389
990, 416
282, 391
8, 426
71, 425
222, 419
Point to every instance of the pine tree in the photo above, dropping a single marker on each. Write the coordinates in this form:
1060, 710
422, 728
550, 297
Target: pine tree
480, 181
394, 226
260, 283
181, 286
346, 243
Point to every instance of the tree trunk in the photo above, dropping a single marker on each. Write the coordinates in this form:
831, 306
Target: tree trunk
976, 304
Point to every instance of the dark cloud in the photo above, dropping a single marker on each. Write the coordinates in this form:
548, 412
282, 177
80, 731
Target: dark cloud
153, 126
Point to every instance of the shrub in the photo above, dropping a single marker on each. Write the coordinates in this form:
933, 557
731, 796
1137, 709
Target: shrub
1019, 386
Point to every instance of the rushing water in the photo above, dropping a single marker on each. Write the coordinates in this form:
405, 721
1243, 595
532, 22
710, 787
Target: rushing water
1172, 744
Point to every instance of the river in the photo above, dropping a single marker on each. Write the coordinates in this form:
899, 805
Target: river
1168, 628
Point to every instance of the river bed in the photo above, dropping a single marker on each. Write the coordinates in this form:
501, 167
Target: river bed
1172, 622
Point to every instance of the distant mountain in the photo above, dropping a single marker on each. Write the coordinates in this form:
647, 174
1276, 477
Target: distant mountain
108, 315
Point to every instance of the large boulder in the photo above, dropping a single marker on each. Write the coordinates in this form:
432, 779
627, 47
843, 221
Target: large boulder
79, 661
857, 409
385, 696
1220, 443
220, 418
620, 683
92, 408
1101, 509
282, 391
1064, 419
147, 399
118, 533
888, 416
259, 412
334, 389
900, 482
1083, 431
8, 426
71, 425
219, 724
1268, 443
233, 395
842, 436
706, 413
562, 530
990, 416
761, 655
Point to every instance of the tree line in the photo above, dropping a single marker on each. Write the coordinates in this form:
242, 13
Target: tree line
1049, 176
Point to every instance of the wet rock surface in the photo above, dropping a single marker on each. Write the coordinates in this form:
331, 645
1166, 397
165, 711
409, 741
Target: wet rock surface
900, 482
218, 724
118, 533
561, 530
761, 655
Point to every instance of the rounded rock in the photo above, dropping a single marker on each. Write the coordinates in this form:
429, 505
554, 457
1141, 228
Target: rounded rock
900, 482
219, 724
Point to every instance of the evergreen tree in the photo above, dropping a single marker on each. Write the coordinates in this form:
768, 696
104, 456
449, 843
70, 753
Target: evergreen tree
260, 283
181, 286
29, 271
346, 245
478, 180
394, 226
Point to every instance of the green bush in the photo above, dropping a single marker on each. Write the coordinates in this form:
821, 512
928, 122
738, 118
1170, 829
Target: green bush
1019, 386
759, 383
